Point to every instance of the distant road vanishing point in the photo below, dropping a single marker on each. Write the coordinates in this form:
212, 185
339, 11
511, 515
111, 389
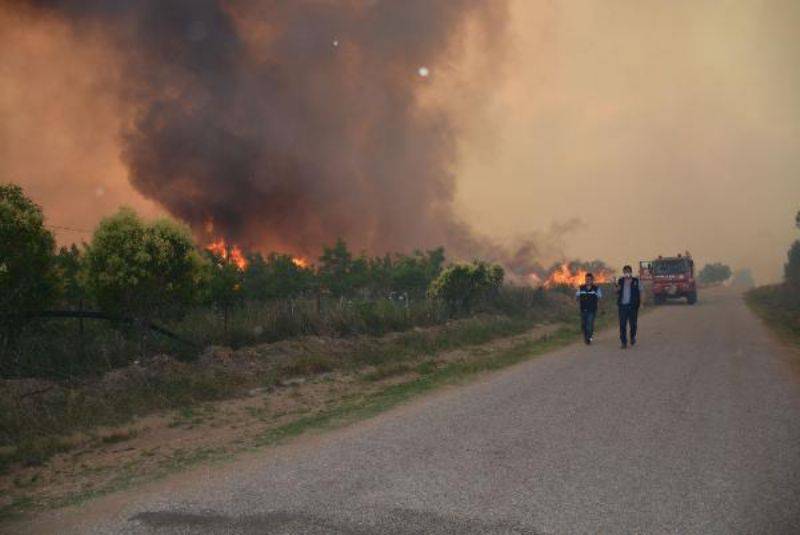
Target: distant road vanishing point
695, 430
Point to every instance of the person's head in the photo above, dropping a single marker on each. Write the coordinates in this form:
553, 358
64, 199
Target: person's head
627, 272
589, 279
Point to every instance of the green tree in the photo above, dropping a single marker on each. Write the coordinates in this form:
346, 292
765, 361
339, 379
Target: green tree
379, 278
27, 282
791, 270
68, 262
222, 284
716, 272
276, 277
147, 270
414, 274
461, 286
336, 269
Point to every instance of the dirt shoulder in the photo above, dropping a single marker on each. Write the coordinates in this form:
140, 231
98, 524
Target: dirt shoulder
115, 457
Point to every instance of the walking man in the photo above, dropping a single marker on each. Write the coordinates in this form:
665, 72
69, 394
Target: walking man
628, 301
587, 296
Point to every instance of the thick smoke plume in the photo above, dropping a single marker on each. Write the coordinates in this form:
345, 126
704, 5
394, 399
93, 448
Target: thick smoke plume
286, 124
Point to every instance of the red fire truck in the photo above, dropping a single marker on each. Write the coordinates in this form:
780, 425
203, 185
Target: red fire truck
670, 277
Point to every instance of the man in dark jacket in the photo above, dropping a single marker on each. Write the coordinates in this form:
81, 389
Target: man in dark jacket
587, 296
628, 301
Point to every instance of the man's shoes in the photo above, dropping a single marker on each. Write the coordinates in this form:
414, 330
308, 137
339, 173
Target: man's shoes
624, 345
633, 341
587, 341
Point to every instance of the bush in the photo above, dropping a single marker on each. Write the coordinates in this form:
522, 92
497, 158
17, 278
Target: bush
461, 286
276, 277
145, 270
338, 273
779, 307
414, 274
27, 282
791, 270
716, 272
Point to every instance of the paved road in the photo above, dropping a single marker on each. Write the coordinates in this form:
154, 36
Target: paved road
696, 430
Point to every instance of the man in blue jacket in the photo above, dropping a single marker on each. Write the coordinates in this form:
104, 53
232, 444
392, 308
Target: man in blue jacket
628, 301
587, 296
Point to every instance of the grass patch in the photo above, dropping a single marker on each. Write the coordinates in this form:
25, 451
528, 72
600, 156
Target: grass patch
36, 450
431, 378
779, 307
385, 371
308, 365
117, 437
35, 429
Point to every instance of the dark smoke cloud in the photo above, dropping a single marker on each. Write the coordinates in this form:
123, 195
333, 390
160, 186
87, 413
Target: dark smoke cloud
290, 123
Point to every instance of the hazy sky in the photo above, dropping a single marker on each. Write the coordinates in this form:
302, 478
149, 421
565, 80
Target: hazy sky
664, 126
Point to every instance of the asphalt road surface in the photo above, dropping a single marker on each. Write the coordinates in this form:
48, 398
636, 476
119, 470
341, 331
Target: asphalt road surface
695, 430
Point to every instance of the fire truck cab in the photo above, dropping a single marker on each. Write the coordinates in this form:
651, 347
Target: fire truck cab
670, 277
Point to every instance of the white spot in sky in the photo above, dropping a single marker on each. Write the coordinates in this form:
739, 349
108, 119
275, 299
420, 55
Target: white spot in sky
424, 72
335, 42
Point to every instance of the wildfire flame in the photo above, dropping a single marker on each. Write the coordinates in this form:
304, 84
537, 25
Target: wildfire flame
301, 262
563, 275
227, 252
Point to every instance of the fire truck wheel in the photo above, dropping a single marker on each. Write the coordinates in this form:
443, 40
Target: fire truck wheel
691, 298
659, 299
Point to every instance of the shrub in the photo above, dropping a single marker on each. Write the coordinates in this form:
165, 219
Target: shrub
145, 270
716, 272
461, 286
337, 270
276, 277
791, 270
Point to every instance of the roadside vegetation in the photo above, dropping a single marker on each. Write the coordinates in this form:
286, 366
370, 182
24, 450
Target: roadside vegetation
142, 322
714, 273
778, 304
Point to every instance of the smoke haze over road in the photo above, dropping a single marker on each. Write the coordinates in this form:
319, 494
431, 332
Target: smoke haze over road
664, 126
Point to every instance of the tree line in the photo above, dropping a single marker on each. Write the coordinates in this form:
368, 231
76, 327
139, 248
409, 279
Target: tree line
154, 270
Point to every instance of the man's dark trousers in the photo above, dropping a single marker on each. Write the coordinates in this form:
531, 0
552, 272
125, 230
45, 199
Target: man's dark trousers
587, 323
627, 315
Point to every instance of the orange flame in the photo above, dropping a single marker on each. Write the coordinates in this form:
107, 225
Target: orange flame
563, 275
301, 262
230, 253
